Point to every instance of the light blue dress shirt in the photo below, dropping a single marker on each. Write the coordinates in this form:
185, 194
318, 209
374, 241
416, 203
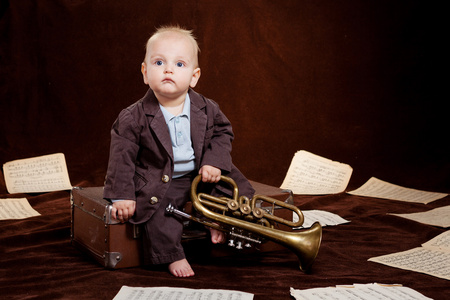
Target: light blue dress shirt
180, 134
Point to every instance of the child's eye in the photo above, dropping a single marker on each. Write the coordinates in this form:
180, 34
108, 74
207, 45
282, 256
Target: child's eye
158, 63
180, 64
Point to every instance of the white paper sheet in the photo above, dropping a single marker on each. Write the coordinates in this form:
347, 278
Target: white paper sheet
171, 293
310, 174
440, 242
37, 174
325, 218
371, 291
422, 260
437, 217
16, 208
433, 258
377, 188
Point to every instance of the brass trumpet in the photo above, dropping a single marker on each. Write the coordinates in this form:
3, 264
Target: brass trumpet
248, 221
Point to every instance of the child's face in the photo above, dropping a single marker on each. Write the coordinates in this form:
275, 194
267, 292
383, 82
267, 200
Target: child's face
170, 67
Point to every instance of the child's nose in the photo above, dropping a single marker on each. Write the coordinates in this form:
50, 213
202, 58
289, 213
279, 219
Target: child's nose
168, 69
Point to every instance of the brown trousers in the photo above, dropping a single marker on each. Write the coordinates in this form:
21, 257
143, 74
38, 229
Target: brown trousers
162, 233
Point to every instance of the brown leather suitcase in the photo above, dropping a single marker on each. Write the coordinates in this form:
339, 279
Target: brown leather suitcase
113, 244
118, 245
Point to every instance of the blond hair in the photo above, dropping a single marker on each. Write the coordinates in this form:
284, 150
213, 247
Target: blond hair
177, 29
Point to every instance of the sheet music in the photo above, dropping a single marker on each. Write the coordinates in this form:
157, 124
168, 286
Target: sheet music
16, 208
377, 188
371, 291
38, 174
169, 293
310, 174
433, 258
437, 217
441, 242
325, 218
422, 260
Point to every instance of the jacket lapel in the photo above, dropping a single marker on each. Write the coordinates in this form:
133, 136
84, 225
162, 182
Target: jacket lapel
157, 122
198, 125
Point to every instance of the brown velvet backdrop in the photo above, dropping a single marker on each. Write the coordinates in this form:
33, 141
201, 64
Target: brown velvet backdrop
354, 81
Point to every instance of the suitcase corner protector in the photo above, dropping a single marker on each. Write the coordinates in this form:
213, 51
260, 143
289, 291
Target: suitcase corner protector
112, 259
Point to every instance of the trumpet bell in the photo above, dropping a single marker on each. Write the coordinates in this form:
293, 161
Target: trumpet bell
305, 244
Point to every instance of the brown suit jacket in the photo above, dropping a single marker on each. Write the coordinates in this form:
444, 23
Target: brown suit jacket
141, 159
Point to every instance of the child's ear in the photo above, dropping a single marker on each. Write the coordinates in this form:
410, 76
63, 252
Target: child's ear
144, 72
195, 77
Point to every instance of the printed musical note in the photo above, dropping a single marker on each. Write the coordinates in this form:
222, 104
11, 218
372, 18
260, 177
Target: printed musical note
370, 291
154, 293
38, 174
377, 188
16, 208
439, 216
433, 258
310, 174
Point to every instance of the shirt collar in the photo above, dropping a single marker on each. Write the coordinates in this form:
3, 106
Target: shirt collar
186, 110
187, 107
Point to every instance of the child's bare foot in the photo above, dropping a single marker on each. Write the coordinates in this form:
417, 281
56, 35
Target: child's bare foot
217, 236
181, 268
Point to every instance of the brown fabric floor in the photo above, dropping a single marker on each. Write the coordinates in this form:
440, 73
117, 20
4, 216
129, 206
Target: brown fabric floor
37, 260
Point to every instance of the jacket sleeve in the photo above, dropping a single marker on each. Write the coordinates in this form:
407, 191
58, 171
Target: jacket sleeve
218, 138
119, 183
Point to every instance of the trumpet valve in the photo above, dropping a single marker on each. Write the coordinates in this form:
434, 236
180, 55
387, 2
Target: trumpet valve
239, 245
245, 209
258, 212
231, 243
232, 205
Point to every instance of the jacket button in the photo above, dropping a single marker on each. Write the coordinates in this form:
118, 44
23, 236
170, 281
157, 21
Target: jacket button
165, 179
153, 200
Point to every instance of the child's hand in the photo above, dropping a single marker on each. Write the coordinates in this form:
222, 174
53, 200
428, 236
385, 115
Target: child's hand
210, 174
123, 210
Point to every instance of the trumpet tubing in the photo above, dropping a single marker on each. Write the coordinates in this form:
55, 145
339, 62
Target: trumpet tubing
305, 244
